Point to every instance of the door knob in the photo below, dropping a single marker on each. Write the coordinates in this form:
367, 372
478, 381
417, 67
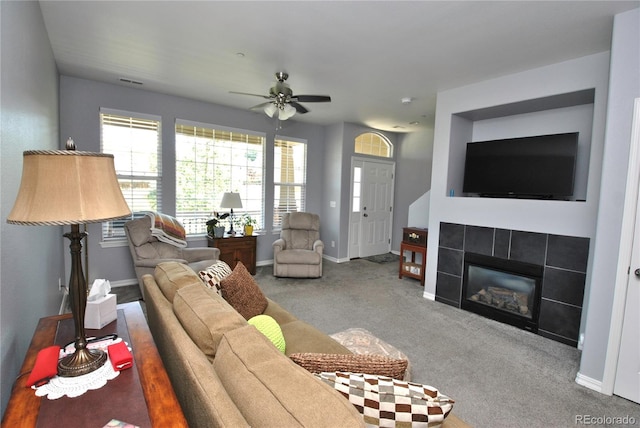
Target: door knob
366, 215
637, 272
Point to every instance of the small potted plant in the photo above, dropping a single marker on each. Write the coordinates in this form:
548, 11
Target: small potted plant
214, 226
248, 222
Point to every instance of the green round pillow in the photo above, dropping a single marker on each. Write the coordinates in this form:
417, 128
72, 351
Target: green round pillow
270, 328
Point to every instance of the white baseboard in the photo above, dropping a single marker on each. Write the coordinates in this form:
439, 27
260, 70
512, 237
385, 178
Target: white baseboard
588, 382
123, 282
429, 296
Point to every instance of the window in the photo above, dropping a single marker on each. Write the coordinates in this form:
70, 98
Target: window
210, 161
289, 178
373, 144
134, 141
357, 186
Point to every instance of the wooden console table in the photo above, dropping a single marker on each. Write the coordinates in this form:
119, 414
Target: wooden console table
414, 240
142, 395
236, 248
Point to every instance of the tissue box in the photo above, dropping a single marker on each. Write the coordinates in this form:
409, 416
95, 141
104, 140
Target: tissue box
100, 312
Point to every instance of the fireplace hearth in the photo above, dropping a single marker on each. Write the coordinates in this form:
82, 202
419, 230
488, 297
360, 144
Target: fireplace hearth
505, 290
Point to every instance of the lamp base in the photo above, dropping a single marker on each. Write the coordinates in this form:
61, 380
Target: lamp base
81, 362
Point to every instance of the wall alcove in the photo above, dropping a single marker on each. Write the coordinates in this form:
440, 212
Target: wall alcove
568, 112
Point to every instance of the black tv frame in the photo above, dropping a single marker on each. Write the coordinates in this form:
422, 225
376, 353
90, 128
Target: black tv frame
535, 167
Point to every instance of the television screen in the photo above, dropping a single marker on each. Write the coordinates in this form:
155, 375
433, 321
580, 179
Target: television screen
528, 167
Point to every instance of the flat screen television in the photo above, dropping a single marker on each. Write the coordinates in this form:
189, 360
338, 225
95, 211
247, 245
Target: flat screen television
529, 167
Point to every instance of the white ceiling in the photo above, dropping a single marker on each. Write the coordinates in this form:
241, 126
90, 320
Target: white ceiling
367, 55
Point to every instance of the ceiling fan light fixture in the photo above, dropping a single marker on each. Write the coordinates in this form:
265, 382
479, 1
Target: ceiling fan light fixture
286, 112
270, 110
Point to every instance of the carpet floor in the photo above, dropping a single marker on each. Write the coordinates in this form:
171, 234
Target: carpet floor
500, 376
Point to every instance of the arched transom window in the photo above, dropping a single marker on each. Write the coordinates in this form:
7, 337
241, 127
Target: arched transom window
373, 144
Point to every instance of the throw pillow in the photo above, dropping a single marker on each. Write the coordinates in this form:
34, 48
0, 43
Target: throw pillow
387, 402
270, 328
215, 273
371, 364
243, 293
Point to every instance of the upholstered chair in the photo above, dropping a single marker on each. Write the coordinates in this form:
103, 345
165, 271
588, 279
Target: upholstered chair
147, 251
298, 252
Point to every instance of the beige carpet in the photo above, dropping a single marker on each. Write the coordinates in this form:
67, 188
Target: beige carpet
500, 376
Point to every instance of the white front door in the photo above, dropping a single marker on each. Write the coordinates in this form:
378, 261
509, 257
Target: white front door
371, 207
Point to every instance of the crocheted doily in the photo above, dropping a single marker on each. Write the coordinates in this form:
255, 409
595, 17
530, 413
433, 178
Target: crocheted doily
75, 386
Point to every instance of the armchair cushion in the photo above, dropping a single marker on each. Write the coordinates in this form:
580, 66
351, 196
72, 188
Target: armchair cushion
305, 257
139, 231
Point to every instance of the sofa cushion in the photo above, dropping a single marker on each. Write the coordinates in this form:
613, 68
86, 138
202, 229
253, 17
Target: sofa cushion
205, 316
278, 313
271, 330
242, 292
303, 337
172, 276
384, 401
370, 364
271, 391
212, 275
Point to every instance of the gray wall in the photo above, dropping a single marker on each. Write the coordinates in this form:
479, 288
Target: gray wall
79, 118
624, 87
31, 256
413, 172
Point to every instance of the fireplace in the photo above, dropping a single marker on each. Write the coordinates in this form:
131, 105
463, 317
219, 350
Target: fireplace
505, 290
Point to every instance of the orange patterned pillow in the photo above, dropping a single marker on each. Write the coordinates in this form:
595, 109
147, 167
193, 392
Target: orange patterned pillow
242, 292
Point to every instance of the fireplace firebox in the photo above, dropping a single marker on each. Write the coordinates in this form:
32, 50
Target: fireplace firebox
505, 290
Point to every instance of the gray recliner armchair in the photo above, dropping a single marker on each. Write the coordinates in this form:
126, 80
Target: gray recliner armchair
147, 251
298, 252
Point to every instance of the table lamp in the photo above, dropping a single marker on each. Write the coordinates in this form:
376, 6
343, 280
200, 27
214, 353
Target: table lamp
231, 200
69, 187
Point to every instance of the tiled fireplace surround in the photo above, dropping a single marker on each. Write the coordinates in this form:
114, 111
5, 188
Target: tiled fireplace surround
564, 259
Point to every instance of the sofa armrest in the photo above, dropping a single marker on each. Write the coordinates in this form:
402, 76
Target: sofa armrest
200, 253
318, 246
151, 263
279, 245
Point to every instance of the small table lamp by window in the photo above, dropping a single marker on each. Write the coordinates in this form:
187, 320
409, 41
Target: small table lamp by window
68, 187
231, 200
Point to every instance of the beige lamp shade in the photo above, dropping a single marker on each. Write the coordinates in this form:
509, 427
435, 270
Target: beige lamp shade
61, 187
231, 200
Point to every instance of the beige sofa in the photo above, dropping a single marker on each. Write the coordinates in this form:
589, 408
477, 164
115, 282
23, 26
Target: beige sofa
226, 373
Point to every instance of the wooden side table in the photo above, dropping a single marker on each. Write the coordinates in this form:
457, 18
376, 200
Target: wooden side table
142, 395
236, 248
414, 241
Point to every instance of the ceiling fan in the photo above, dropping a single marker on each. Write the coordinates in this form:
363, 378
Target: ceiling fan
282, 102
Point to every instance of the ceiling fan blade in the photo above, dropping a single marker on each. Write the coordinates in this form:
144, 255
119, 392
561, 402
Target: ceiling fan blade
260, 106
266, 97
312, 98
299, 107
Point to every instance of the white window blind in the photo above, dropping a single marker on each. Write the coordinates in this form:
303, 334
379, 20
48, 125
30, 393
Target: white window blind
134, 140
289, 178
212, 160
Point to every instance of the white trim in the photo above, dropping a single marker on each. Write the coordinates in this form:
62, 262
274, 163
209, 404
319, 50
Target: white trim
123, 282
429, 296
115, 243
590, 383
624, 256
